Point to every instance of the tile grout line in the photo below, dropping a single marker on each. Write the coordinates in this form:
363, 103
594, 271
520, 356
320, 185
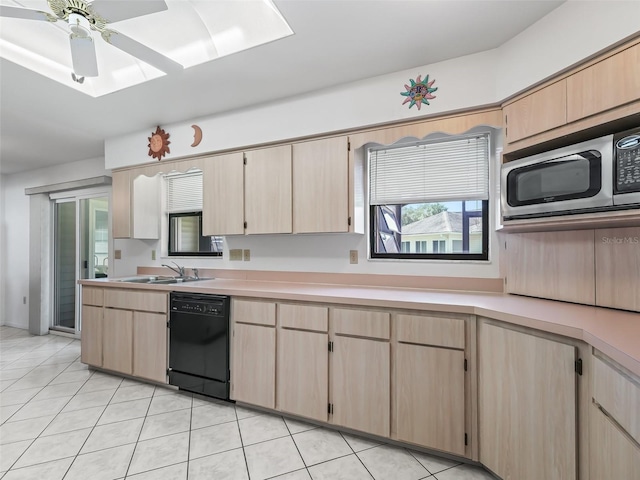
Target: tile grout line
244, 453
47, 426
139, 433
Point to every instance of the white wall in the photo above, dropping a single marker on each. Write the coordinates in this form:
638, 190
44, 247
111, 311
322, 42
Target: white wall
15, 231
574, 31
3, 251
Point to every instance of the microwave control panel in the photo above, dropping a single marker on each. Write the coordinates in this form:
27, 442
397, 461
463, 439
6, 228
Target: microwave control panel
627, 159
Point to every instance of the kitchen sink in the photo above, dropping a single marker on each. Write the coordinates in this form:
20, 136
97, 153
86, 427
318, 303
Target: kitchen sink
160, 280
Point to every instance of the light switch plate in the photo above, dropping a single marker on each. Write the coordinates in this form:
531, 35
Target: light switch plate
117, 254
153, 254
247, 255
235, 254
353, 256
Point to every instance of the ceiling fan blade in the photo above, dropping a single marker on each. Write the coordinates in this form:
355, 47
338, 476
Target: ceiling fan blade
144, 53
26, 13
83, 56
117, 10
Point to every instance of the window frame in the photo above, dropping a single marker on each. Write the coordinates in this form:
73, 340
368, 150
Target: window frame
171, 253
467, 215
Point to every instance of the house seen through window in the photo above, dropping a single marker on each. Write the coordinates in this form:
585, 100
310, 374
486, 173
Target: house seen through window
184, 208
429, 199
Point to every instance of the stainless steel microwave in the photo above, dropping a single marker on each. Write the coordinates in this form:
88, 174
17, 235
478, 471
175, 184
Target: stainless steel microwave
593, 176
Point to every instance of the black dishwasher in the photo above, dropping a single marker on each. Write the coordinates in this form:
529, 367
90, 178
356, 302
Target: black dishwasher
199, 343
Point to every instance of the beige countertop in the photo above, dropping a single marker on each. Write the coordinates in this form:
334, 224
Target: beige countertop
616, 333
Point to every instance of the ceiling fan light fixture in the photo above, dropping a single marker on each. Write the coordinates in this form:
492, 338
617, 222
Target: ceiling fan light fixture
79, 26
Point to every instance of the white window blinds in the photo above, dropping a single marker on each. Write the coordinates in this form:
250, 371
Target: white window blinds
184, 192
447, 170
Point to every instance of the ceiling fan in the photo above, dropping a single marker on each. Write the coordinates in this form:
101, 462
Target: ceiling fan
83, 16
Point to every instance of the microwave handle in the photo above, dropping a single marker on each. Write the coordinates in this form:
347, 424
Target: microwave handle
575, 156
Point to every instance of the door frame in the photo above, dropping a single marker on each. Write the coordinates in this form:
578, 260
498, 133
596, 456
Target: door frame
75, 196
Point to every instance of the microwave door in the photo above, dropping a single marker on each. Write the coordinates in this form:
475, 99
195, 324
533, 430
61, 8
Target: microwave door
539, 187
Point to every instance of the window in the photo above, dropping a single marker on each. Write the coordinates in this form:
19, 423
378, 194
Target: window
184, 208
430, 196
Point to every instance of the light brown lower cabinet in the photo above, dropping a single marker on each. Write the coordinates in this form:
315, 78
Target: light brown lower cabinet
117, 340
150, 346
430, 397
303, 373
91, 335
253, 378
527, 405
613, 453
360, 384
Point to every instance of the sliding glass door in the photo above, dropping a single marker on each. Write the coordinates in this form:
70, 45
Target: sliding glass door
80, 251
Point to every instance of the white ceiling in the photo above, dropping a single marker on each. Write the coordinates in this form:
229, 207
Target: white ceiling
43, 122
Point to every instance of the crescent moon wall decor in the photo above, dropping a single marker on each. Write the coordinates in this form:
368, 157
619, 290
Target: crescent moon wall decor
197, 135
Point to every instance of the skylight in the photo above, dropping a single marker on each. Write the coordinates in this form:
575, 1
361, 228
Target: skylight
190, 32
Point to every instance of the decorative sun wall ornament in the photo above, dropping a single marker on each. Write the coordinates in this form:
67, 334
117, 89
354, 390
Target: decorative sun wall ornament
419, 91
158, 143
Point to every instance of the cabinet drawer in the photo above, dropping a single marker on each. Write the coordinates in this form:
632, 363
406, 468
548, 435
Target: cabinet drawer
136, 300
92, 296
618, 395
429, 330
249, 311
304, 317
362, 323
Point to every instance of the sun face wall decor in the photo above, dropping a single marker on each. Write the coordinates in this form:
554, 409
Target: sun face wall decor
158, 143
419, 92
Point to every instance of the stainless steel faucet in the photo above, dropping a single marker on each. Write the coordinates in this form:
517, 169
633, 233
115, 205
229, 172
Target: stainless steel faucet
179, 270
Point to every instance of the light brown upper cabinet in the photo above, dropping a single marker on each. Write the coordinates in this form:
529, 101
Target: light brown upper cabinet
267, 190
321, 186
121, 204
607, 84
538, 112
223, 195
145, 207
248, 193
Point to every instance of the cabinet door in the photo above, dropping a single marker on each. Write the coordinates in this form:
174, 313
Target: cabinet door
150, 346
303, 373
117, 336
145, 206
607, 84
555, 265
612, 452
527, 405
430, 397
360, 385
91, 336
321, 186
253, 378
223, 195
121, 204
536, 113
267, 190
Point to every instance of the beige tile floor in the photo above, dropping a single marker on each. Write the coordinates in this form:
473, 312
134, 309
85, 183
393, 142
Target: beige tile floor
61, 420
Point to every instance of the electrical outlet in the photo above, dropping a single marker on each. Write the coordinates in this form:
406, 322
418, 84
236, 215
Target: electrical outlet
353, 256
153, 254
235, 254
117, 254
247, 255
